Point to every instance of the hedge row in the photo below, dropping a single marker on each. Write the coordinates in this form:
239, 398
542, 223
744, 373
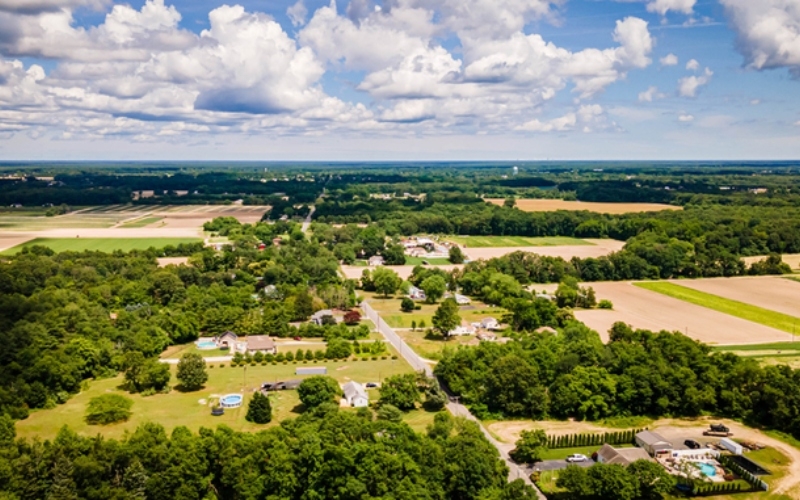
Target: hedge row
578, 440
741, 472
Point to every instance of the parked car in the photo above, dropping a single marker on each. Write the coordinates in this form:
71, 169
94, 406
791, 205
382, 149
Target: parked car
371, 385
692, 444
297, 338
577, 457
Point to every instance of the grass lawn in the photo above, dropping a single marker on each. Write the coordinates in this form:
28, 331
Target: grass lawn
100, 244
389, 310
417, 261
177, 408
516, 241
431, 348
419, 419
563, 453
176, 351
142, 222
742, 310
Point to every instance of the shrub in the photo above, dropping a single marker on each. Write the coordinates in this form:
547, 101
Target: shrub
269, 357
259, 410
280, 357
317, 390
390, 413
108, 409
192, 372
605, 304
258, 357
289, 356
406, 305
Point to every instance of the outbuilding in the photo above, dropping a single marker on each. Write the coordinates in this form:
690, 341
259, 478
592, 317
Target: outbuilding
262, 344
355, 394
732, 446
227, 339
311, 370
652, 443
318, 318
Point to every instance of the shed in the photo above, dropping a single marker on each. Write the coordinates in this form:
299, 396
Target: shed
622, 456
311, 370
262, 344
652, 443
732, 446
227, 339
355, 395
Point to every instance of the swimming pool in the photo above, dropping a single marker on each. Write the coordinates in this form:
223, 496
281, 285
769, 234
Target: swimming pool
231, 401
206, 344
708, 470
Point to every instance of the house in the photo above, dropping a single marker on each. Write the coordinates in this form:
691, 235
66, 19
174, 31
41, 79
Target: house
652, 443
415, 293
462, 330
311, 370
461, 300
489, 324
623, 456
375, 261
262, 344
318, 317
486, 337
226, 340
355, 395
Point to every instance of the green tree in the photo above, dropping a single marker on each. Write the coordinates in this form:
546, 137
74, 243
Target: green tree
394, 255
400, 391
385, 281
530, 447
435, 398
434, 288
390, 413
446, 317
192, 372
108, 409
259, 410
318, 389
63, 486
406, 305
456, 256
654, 481
510, 202
338, 349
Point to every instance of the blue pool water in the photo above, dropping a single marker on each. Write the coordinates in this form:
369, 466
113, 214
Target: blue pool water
206, 344
231, 401
708, 470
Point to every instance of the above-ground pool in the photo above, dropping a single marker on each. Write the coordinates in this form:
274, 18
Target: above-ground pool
206, 344
708, 470
231, 401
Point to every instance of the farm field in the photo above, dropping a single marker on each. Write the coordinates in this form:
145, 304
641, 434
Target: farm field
143, 222
736, 308
516, 241
592, 248
178, 408
100, 244
418, 261
793, 259
768, 292
354, 272
603, 208
650, 310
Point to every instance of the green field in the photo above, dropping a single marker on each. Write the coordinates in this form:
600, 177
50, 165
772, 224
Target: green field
179, 408
416, 261
146, 221
774, 346
516, 241
100, 244
742, 310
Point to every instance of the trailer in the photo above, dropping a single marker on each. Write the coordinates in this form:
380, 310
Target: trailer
717, 434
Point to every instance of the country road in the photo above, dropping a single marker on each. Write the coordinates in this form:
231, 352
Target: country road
457, 409
307, 221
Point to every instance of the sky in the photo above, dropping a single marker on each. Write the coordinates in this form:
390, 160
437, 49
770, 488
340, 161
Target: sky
374, 80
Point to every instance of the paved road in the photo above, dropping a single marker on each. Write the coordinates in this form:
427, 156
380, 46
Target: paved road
556, 465
457, 409
307, 222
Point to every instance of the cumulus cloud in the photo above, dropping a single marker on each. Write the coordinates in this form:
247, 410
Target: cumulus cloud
650, 94
768, 32
39, 6
669, 60
688, 86
685, 118
297, 13
693, 65
663, 6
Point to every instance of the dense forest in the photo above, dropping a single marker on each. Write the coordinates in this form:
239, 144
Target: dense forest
324, 453
574, 375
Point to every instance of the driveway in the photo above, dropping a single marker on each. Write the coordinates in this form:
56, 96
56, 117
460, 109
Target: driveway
548, 465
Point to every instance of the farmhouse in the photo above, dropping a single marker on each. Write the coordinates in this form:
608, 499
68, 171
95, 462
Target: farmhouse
623, 456
462, 330
415, 293
227, 340
355, 395
318, 317
375, 260
262, 344
652, 443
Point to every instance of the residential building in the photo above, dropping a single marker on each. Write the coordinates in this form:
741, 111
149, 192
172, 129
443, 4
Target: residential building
415, 293
262, 344
462, 330
355, 394
622, 456
375, 261
652, 443
226, 340
317, 317
489, 324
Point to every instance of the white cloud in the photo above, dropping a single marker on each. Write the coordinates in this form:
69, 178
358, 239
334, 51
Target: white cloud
755, 102
663, 6
688, 86
650, 94
297, 13
693, 65
768, 32
685, 118
39, 6
669, 60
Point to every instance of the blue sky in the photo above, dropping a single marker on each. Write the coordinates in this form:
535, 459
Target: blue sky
400, 79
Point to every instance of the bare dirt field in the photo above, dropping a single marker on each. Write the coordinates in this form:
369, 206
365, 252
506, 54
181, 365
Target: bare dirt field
9, 240
355, 272
598, 248
167, 261
654, 311
770, 292
195, 216
603, 208
675, 430
793, 259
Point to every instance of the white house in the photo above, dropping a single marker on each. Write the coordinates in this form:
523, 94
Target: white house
461, 300
375, 261
488, 324
415, 293
355, 395
462, 330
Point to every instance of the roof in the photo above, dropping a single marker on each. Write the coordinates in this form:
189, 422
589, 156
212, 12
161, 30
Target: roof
260, 342
320, 314
622, 456
488, 320
651, 438
228, 334
353, 390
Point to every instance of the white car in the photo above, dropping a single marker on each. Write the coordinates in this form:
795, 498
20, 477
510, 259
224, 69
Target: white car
577, 457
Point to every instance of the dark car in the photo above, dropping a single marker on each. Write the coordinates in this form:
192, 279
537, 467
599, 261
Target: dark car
692, 444
298, 338
370, 385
